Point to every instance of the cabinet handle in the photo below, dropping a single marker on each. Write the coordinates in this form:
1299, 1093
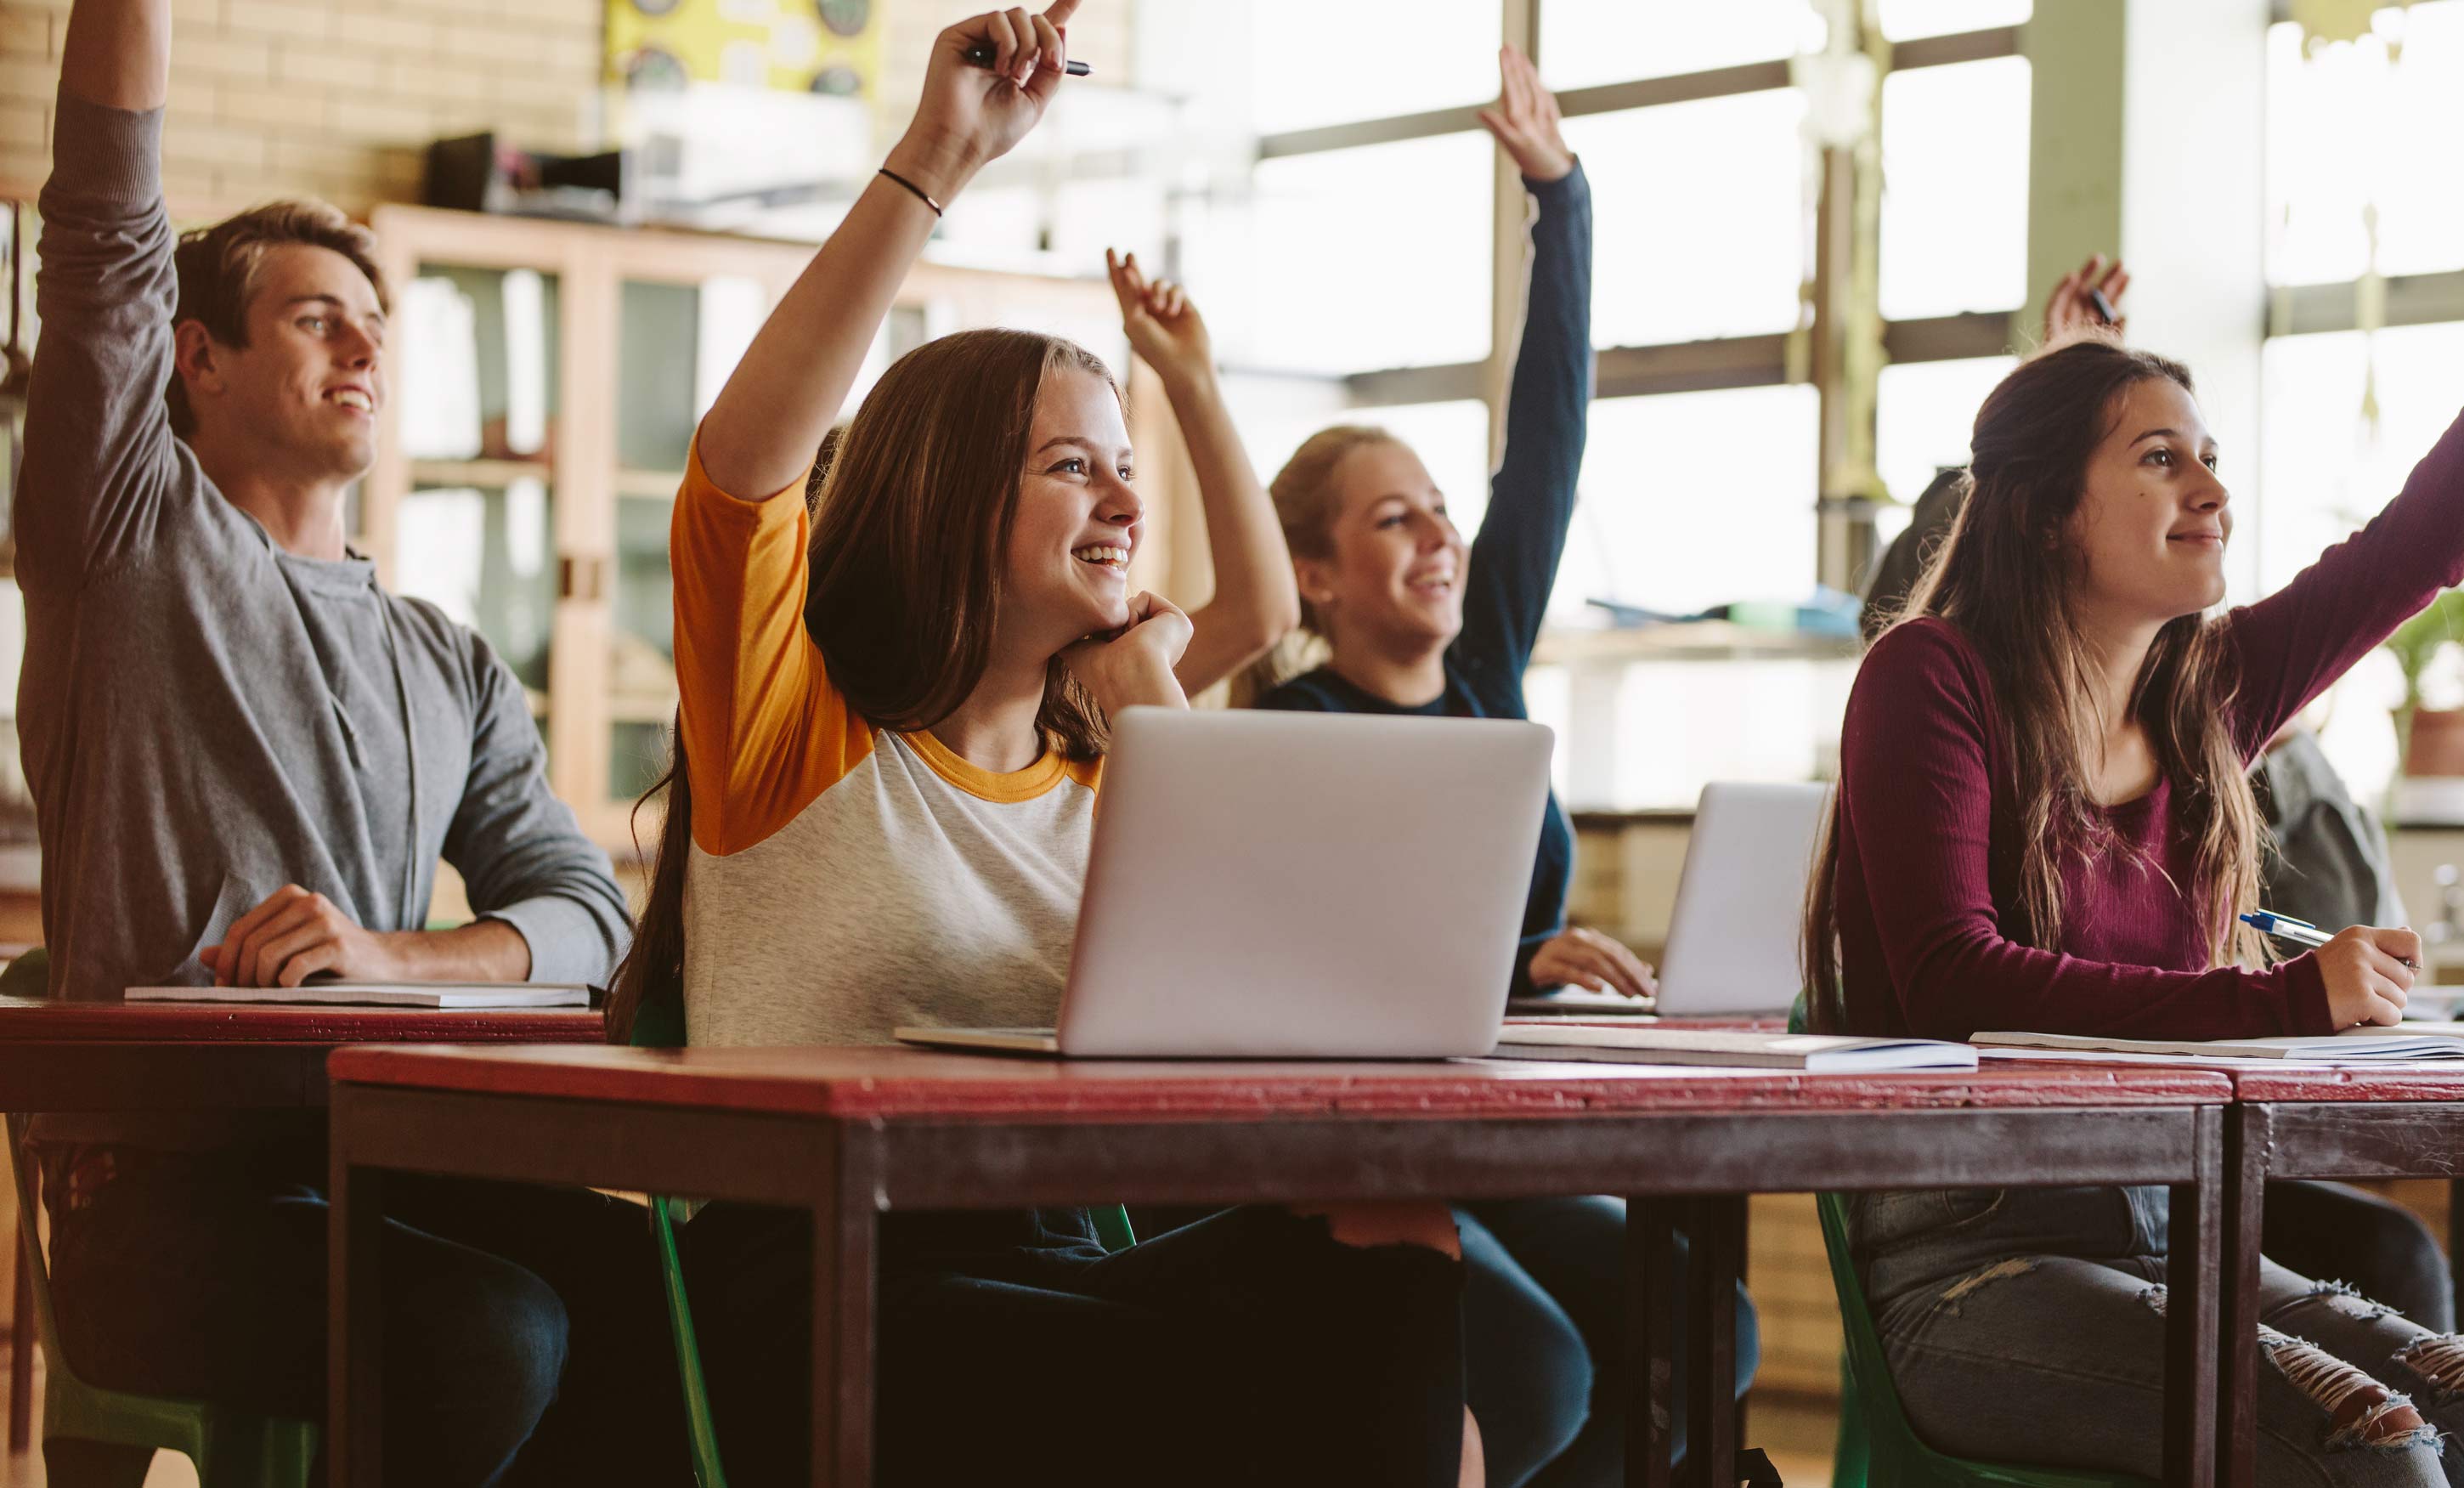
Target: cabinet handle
582, 578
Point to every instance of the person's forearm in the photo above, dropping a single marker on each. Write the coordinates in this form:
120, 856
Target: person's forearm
1255, 600
484, 950
762, 433
118, 53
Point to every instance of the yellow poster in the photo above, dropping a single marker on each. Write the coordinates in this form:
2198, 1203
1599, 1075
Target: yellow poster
802, 46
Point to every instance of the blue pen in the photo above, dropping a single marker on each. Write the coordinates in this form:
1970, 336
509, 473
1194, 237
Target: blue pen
2284, 927
2300, 932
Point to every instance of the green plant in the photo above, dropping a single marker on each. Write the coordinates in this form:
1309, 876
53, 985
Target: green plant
2416, 642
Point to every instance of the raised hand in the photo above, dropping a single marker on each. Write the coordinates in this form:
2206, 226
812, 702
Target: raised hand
1163, 328
1525, 120
970, 116
1134, 664
2071, 310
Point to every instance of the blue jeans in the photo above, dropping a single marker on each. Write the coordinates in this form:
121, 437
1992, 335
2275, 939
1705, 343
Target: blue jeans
1545, 1342
518, 1321
2028, 1326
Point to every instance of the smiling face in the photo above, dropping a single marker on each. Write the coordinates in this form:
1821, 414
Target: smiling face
2153, 519
301, 393
1391, 574
1065, 575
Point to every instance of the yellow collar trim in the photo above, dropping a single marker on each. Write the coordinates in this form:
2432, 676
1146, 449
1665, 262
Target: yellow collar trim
1020, 784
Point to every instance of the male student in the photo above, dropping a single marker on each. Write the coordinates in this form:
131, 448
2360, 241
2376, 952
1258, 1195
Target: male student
247, 759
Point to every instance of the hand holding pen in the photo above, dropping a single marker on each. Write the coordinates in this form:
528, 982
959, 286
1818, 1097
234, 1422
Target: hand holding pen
2368, 971
2087, 301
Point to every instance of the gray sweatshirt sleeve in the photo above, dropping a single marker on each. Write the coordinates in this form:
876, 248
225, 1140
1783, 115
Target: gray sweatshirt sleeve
521, 853
101, 462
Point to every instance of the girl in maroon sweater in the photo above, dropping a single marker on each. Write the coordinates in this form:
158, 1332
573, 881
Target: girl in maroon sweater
2044, 822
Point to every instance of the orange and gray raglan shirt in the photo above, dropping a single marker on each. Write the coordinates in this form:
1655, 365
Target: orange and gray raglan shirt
845, 879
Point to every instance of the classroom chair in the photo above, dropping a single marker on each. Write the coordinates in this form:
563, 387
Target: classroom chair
1875, 1443
230, 1448
663, 1027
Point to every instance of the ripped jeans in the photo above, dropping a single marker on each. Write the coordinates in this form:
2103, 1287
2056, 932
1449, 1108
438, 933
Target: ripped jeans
2026, 1325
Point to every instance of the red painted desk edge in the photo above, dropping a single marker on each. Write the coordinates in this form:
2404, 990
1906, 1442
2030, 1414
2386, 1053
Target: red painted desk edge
34, 1020
883, 1082
2348, 1085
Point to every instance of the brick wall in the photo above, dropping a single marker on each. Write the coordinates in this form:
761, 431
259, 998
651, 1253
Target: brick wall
323, 98
337, 98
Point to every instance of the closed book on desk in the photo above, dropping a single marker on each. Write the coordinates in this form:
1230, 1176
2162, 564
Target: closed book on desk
1816, 1054
2403, 1043
385, 995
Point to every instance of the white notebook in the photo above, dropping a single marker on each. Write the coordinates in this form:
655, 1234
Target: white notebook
1818, 1054
385, 995
2403, 1043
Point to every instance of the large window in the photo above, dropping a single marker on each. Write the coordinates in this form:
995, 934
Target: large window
1361, 281
2364, 362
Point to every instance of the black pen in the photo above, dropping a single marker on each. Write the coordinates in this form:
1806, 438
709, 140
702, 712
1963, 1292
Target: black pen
982, 54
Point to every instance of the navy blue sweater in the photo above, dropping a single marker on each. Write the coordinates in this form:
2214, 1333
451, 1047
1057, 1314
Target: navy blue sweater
1513, 563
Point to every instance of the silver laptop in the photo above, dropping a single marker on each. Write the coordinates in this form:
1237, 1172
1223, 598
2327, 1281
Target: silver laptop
1732, 936
1297, 885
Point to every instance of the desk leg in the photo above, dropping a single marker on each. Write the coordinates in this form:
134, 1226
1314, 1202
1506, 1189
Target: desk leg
1650, 1284
2247, 1140
2455, 1235
354, 1324
2194, 1273
844, 1224
21, 1349
1715, 1247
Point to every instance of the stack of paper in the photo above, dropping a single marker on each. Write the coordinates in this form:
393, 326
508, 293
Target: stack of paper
2403, 1043
1814, 1052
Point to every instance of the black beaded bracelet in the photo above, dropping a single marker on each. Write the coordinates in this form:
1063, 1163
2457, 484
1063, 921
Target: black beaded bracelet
921, 195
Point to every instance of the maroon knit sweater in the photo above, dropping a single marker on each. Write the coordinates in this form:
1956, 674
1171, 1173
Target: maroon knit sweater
1929, 840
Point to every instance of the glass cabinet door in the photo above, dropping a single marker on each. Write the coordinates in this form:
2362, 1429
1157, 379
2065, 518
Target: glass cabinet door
675, 345
478, 389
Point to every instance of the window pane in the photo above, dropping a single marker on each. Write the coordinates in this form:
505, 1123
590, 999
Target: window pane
1274, 414
485, 556
1955, 188
1363, 258
1668, 484
1584, 42
2351, 127
1904, 19
1701, 214
2323, 470
1922, 413
1361, 60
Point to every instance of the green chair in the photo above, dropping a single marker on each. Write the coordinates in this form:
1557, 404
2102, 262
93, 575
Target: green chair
661, 1025
1875, 1443
230, 1448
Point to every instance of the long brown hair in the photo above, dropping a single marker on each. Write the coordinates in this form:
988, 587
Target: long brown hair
914, 505
2004, 577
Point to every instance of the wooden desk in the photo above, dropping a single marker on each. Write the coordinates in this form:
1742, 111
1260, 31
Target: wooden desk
2315, 1124
198, 1057
60, 1056
851, 1133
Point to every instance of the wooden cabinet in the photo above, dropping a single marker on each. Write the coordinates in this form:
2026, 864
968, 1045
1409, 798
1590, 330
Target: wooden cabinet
546, 378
